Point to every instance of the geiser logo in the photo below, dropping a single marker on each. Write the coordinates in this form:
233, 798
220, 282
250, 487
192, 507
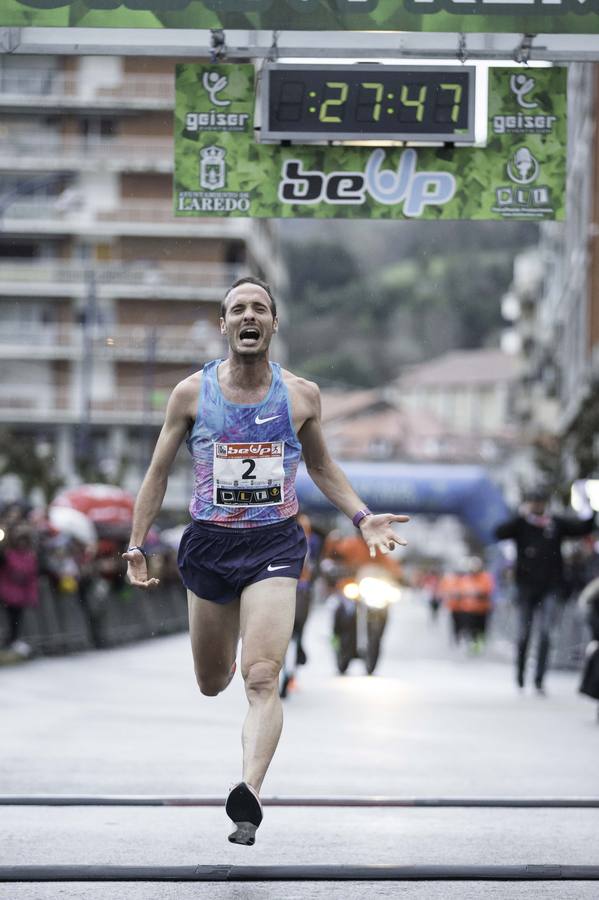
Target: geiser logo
261, 450
521, 86
213, 84
214, 120
416, 190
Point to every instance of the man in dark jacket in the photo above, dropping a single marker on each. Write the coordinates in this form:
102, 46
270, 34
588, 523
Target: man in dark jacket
538, 536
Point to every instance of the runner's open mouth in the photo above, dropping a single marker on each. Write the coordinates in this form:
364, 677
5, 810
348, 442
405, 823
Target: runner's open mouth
249, 334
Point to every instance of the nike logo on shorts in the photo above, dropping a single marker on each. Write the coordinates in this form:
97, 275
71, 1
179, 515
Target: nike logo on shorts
272, 568
260, 421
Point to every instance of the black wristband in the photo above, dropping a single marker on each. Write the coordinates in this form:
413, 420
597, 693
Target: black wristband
136, 547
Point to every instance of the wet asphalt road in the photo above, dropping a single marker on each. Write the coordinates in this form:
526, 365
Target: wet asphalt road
432, 722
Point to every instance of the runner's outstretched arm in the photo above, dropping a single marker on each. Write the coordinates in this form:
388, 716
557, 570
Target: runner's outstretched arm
153, 488
329, 477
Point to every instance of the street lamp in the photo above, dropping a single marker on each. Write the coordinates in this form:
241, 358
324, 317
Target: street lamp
88, 324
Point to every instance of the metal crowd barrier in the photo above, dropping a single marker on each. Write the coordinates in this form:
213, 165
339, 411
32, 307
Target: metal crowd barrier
570, 638
64, 623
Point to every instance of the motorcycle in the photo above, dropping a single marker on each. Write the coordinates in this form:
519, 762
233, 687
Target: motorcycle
361, 612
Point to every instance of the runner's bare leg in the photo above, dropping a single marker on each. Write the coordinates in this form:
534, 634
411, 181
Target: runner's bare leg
214, 633
267, 613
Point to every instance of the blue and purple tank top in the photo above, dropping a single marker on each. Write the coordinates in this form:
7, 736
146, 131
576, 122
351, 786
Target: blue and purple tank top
245, 456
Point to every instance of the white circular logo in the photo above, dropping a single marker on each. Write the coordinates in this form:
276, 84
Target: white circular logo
523, 168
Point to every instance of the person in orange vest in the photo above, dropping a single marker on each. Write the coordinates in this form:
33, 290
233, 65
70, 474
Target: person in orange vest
476, 587
352, 553
450, 589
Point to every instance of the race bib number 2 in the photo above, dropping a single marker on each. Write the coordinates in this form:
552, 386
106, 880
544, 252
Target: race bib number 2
248, 474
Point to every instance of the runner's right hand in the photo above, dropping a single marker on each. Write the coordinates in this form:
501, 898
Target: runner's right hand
137, 570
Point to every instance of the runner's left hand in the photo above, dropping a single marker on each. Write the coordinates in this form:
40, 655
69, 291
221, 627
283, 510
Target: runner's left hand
137, 570
378, 534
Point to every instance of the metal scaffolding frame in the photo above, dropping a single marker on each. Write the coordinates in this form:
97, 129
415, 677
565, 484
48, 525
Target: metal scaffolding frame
199, 43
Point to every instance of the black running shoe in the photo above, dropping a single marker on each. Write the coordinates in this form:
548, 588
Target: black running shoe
244, 808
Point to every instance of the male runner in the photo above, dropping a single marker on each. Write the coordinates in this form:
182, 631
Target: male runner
247, 422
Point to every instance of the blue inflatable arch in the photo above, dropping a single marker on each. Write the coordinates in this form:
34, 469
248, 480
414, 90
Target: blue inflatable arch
463, 491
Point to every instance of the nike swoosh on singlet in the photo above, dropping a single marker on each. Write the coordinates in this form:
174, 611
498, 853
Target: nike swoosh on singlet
272, 568
260, 421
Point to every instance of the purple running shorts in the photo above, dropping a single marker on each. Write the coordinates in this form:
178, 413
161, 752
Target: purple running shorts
217, 562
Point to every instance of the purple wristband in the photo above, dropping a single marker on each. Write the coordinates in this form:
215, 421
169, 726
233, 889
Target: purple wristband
361, 514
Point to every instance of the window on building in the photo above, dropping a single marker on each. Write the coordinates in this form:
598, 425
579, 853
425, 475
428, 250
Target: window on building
17, 250
98, 128
21, 319
27, 74
235, 253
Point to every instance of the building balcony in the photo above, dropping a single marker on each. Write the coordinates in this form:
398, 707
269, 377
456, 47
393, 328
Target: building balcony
121, 343
60, 406
57, 92
55, 153
142, 218
200, 282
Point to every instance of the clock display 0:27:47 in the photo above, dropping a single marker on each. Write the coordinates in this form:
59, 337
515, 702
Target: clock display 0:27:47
369, 101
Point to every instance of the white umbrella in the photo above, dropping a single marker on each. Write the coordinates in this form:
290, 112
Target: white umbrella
71, 521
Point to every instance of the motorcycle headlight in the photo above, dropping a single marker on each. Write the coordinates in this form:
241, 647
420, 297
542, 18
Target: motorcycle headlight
378, 593
376, 603
351, 590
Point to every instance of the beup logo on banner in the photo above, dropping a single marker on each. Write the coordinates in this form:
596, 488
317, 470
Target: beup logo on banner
220, 169
415, 190
485, 16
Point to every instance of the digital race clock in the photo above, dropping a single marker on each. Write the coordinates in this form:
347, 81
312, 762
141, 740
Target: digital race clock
367, 102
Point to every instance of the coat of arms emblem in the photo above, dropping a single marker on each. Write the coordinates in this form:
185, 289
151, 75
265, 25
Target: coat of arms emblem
212, 168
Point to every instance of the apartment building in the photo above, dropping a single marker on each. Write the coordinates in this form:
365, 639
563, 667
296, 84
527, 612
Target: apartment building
559, 321
106, 299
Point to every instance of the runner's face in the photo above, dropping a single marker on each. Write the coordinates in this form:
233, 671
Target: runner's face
248, 322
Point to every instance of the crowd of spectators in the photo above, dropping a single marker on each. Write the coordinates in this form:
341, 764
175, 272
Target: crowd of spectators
36, 556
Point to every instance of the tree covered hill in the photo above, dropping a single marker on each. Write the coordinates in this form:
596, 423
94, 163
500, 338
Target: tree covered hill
367, 298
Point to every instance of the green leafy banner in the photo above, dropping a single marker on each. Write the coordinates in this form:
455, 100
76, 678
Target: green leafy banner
220, 170
519, 16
